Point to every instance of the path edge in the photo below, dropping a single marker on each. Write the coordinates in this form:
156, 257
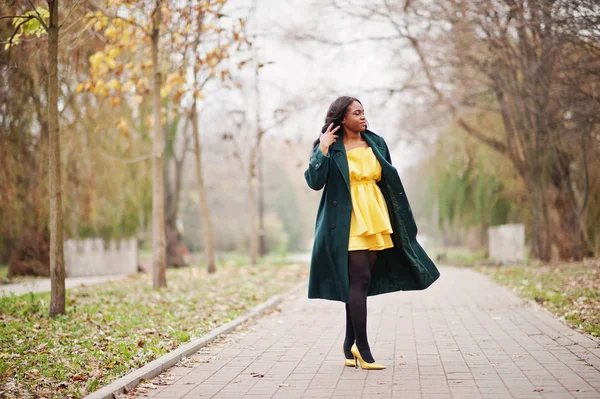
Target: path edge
540, 308
157, 366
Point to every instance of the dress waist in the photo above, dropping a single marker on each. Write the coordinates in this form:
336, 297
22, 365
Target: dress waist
356, 182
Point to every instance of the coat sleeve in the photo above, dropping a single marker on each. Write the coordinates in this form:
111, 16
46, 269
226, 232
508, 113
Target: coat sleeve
318, 168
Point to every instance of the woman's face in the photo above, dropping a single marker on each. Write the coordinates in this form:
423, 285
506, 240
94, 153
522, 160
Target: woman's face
355, 120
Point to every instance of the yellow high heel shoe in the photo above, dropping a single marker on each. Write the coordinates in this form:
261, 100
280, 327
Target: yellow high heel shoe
364, 365
348, 362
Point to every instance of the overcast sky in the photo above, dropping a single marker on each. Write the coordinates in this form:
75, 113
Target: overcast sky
318, 73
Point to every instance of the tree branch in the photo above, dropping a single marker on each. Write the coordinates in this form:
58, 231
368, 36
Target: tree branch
69, 13
39, 17
131, 160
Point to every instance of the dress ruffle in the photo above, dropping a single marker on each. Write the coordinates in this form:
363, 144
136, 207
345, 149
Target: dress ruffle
370, 226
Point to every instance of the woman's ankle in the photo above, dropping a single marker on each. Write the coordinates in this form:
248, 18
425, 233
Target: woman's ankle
365, 351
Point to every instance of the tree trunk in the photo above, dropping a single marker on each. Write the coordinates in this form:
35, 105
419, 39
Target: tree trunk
262, 244
568, 231
541, 242
174, 245
252, 185
253, 178
172, 234
209, 248
159, 265
57, 262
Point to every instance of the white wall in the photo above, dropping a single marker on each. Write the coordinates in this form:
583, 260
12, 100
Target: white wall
98, 257
507, 243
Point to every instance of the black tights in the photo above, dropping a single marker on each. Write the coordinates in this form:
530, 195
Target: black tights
360, 266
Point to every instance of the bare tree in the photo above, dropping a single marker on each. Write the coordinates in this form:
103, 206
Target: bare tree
39, 21
209, 246
532, 65
159, 276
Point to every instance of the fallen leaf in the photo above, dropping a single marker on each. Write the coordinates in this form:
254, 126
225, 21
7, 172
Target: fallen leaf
33, 372
97, 373
78, 377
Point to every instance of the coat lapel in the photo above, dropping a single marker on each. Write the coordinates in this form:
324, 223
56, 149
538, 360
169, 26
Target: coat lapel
338, 152
377, 147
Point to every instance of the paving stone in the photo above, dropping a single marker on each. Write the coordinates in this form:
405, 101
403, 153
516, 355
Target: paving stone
464, 337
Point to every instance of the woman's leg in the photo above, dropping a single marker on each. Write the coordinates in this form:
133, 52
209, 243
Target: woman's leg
360, 264
350, 338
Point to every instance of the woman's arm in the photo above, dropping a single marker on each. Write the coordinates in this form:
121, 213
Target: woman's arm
318, 168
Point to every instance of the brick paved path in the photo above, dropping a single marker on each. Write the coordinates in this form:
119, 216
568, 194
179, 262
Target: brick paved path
464, 337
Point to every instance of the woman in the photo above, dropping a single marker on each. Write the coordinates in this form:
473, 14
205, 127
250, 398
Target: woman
365, 235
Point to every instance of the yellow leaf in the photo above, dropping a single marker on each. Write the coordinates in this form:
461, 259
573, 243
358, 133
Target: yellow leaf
138, 99
114, 84
111, 63
142, 84
80, 88
177, 97
96, 58
175, 79
110, 32
128, 86
101, 70
98, 86
114, 101
113, 52
122, 126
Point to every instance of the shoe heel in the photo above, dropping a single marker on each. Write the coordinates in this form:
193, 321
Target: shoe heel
355, 362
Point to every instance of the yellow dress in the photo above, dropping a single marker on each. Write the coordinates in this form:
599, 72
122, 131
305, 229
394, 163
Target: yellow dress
370, 226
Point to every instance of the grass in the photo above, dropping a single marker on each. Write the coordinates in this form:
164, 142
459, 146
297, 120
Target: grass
569, 290
456, 256
114, 328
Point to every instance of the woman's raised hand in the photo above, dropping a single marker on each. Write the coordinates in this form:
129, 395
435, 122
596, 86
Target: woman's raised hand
327, 138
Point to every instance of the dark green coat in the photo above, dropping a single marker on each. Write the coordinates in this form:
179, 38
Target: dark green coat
404, 267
